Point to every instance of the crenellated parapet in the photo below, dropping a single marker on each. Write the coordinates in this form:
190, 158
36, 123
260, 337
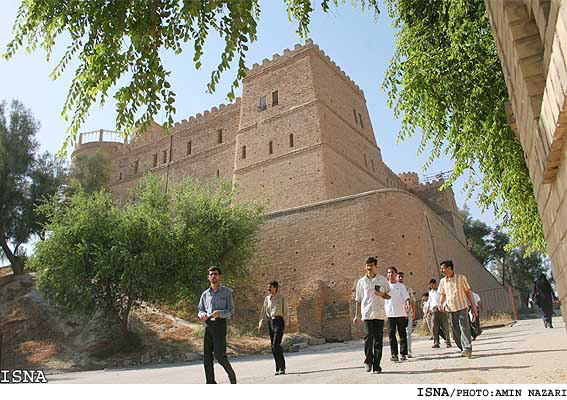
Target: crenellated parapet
411, 179
205, 116
298, 49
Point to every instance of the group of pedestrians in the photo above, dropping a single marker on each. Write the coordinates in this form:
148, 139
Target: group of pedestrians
377, 299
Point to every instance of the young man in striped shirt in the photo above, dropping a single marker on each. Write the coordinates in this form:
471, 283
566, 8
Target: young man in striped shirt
455, 289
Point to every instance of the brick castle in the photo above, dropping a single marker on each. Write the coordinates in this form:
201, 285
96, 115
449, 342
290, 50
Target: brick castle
300, 138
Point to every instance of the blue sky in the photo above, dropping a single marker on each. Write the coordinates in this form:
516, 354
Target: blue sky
361, 46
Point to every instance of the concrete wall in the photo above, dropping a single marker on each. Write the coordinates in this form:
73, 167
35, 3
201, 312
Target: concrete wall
531, 38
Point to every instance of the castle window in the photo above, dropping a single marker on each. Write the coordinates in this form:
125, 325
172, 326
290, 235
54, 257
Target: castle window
360, 120
120, 178
291, 140
243, 152
372, 161
270, 148
218, 173
262, 104
365, 161
355, 117
136, 165
155, 160
188, 147
219, 135
164, 157
275, 100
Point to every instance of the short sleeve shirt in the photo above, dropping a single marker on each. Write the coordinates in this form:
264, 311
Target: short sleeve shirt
371, 306
455, 289
395, 305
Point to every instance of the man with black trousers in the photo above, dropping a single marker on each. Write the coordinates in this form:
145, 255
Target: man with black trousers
397, 307
215, 307
371, 290
275, 311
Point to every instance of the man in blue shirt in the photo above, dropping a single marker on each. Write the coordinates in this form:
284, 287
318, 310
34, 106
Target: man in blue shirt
215, 307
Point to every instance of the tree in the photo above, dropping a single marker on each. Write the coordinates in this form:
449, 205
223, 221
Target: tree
155, 249
113, 39
477, 234
25, 180
90, 173
445, 79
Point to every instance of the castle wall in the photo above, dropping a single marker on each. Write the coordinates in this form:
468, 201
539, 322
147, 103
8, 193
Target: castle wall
531, 39
317, 253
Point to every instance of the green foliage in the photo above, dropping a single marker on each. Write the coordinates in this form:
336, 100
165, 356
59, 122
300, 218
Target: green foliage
25, 180
90, 173
113, 39
511, 266
477, 234
155, 249
445, 79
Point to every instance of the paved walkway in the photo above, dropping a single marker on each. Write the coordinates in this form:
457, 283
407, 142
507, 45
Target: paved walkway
523, 353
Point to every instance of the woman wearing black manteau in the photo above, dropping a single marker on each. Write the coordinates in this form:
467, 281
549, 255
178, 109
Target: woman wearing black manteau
543, 296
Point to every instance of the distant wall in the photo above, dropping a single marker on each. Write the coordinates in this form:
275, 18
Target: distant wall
317, 252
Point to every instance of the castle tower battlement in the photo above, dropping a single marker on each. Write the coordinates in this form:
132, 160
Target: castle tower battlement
300, 133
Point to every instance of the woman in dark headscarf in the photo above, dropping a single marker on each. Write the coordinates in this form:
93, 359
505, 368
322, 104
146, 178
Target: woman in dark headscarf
543, 296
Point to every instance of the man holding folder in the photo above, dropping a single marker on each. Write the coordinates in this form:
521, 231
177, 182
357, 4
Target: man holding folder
215, 307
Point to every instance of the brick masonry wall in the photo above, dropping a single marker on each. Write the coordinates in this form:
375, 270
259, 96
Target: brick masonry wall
317, 250
531, 38
317, 253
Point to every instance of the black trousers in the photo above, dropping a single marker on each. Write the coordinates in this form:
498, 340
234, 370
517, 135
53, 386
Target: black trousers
373, 341
215, 345
399, 323
276, 326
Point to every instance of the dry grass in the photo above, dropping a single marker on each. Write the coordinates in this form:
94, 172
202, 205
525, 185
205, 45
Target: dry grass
496, 319
5, 271
37, 351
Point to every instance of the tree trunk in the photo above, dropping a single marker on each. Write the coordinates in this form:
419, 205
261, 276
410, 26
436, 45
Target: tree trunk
15, 261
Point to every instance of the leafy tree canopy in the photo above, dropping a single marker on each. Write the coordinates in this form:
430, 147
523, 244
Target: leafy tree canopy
156, 248
113, 39
446, 80
90, 172
512, 266
25, 180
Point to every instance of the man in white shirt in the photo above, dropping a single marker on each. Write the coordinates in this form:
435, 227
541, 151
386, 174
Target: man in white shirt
397, 307
371, 291
440, 318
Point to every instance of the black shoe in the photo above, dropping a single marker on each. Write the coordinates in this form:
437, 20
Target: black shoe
377, 370
368, 368
403, 358
282, 371
394, 358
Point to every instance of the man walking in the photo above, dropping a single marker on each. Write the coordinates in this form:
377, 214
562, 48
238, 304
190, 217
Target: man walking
455, 289
411, 312
397, 307
275, 311
371, 290
215, 307
440, 318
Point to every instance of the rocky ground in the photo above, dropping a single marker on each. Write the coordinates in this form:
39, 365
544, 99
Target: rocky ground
36, 335
520, 353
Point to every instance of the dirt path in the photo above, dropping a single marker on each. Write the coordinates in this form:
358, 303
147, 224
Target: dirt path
523, 353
